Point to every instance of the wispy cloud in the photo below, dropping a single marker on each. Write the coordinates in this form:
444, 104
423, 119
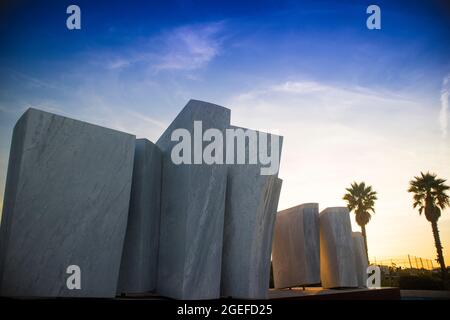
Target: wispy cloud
190, 47
443, 114
118, 63
183, 48
318, 101
30, 80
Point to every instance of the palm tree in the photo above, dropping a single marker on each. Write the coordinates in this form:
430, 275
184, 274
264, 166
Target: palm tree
430, 197
361, 199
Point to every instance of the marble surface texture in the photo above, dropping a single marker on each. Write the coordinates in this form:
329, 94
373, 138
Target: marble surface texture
138, 270
129, 217
66, 203
296, 246
251, 205
192, 213
361, 260
337, 254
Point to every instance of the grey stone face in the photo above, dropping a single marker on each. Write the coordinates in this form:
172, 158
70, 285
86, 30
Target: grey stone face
138, 268
192, 213
66, 203
337, 256
247, 248
251, 204
265, 259
296, 246
361, 261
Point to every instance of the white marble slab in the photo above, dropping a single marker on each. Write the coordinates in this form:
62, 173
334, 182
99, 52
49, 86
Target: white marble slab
337, 255
251, 205
296, 246
138, 270
66, 203
361, 261
192, 213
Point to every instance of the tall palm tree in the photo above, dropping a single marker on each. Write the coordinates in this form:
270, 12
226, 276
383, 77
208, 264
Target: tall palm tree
361, 199
430, 197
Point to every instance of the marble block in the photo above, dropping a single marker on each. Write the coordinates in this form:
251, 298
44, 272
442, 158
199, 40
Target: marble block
361, 261
337, 255
138, 268
296, 246
251, 205
66, 203
192, 212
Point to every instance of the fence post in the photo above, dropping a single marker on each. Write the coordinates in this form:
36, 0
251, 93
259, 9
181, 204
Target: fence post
409, 259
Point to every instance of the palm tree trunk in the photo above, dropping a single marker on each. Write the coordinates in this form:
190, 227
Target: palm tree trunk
440, 256
363, 231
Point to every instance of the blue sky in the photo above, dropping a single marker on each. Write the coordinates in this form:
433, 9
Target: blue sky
352, 103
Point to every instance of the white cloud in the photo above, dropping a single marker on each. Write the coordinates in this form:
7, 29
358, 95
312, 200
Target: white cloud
118, 63
190, 47
289, 101
443, 114
184, 48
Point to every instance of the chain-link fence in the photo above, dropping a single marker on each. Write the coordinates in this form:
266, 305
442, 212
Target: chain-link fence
405, 262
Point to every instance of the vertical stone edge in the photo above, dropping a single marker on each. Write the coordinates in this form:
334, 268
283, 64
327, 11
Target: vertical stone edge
138, 269
13, 171
179, 272
20, 138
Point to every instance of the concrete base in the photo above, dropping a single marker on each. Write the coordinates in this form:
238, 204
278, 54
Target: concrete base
318, 293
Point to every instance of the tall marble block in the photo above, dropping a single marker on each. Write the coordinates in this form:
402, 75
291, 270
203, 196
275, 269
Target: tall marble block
66, 203
251, 205
138, 269
337, 255
361, 260
246, 264
296, 246
192, 212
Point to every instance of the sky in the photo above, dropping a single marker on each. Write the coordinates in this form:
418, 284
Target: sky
353, 104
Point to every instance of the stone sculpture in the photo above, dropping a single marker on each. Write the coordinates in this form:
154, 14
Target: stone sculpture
337, 255
192, 212
66, 205
93, 212
252, 201
296, 246
138, 270
361, 261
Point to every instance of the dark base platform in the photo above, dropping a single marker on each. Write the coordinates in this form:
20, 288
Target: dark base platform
318, 293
